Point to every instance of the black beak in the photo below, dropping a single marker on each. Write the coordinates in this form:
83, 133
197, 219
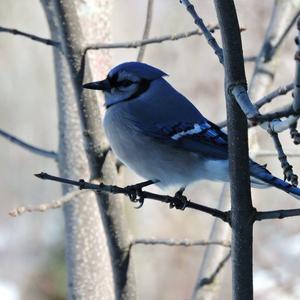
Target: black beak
103, 85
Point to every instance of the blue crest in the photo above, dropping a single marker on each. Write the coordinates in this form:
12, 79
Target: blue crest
139, 69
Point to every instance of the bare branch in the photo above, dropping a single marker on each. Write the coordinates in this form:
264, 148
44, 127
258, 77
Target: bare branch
183, 243
46, 206
199, 22
269, 122
31, 148
286, 167
296, 103
282, 90
146, 29
250, 58
212, 277
267, 99
212, 254
263, 153
140, 43
31, 36
277, 214
137, 195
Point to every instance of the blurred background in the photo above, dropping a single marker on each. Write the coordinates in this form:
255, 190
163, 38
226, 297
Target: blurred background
32, 245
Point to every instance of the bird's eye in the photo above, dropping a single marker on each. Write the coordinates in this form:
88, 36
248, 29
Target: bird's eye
125, 82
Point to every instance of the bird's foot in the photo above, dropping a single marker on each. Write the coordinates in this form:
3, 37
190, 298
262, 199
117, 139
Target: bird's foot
289, 174
135, 191
179, 201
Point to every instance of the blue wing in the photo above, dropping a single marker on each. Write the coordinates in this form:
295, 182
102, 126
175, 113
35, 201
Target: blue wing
201, 137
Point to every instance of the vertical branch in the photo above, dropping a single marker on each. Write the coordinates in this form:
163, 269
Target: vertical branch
296, 103
283, 17
242, 210
212, 254
146, 29
109, 275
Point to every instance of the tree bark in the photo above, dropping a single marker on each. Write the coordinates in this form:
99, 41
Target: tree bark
96, 232
242, 211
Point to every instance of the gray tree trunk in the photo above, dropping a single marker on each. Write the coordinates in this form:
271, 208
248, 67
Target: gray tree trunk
96, 232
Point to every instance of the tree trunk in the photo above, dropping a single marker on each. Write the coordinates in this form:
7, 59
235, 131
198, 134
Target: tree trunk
96, 232
242, 212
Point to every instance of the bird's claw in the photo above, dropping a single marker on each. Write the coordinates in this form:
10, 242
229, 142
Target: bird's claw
179, 201
289, 175
135, 192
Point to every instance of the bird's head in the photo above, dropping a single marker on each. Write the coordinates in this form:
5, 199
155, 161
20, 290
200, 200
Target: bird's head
126, 82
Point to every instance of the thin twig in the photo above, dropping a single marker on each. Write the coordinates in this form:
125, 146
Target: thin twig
277, 214
199, 22
140, 43
183, 243
31, 148
30, 36
137, 195
264, 153
146, 29
212, 277
270, 121
46, 206
286, 167
282, 90
250, 58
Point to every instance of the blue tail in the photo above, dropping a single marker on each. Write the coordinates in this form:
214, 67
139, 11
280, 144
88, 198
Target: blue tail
262, 174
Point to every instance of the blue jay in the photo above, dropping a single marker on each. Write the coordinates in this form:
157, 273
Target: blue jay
160, 134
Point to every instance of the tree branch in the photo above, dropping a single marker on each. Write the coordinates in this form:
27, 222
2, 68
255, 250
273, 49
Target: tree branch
45, 206
282, 90
146, 29
137, 195
212, 254
277, 214
296, 103
140, 43
31, 148
209, 280
286, 167
268, 121
295, 135
31, 36
199, 22
183, 243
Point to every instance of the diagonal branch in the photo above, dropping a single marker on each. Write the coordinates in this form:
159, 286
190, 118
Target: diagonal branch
146, 29
199, 22
212, 277
46, 206
31, 148
31, 36
282, 90
136, 194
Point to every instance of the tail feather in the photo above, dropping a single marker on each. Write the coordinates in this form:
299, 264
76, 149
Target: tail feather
261, 173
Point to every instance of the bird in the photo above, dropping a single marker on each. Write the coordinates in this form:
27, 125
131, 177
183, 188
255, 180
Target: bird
159, 134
